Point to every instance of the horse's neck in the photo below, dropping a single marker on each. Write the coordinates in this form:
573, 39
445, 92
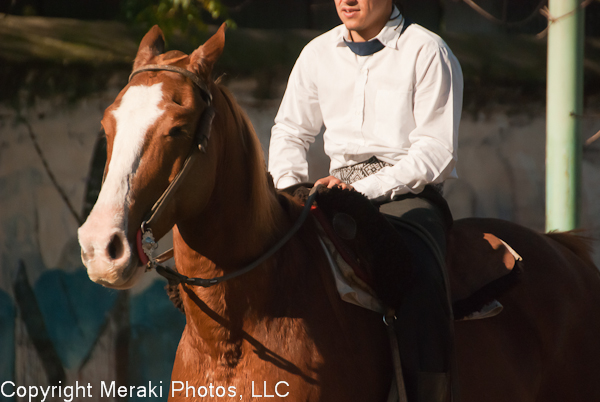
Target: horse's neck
216, 314
217, 317
230, 236
241, 221
243, 215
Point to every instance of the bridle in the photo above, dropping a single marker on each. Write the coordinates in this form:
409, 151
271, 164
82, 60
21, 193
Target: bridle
145, 242
204, 92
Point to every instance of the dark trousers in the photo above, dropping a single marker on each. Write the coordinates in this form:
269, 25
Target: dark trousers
424, 320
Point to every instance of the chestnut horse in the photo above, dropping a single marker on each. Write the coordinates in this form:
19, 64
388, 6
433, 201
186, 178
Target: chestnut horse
276, 331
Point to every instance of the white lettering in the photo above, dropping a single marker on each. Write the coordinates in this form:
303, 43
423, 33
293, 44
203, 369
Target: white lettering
187, 388
223, 394
69, 393
202, 391
173, 387
277, 386
267, 396
32, 389
122, 391
45, 393
151, 392
2, 389
141, 392
253, 395
33, 392
109, 392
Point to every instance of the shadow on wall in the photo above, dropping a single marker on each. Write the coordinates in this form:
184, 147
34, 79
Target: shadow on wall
60, 327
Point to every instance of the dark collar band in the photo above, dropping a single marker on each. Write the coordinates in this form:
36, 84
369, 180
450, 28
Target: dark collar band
365, 48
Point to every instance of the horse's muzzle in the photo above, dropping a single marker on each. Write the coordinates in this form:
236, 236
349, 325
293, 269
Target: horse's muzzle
107, 255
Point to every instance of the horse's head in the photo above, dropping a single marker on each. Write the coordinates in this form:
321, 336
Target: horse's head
151, 128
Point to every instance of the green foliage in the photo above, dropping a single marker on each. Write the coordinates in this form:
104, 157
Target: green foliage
175, 17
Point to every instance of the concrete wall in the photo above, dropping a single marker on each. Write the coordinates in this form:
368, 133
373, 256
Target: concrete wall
55, 324
501, 170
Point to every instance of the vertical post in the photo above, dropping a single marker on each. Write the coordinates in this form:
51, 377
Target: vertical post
563, 108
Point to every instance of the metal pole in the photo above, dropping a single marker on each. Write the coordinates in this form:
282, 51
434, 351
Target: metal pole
563, 108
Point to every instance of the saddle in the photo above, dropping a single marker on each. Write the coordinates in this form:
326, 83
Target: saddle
480, 266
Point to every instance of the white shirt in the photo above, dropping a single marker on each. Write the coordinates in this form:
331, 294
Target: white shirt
402, 104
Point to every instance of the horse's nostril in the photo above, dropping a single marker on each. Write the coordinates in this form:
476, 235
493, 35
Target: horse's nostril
115, 247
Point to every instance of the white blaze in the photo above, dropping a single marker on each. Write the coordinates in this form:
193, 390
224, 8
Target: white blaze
103, 237
137, 113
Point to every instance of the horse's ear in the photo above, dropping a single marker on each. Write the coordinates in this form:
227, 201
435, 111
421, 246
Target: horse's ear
151, 46
204, 58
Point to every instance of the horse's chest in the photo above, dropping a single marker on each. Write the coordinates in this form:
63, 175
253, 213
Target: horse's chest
253, 368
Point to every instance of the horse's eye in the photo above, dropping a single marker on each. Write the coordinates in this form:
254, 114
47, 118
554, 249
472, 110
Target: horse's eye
176, 132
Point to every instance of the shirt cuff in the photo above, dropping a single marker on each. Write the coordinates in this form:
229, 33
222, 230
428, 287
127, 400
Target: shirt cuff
369, 187
374, 188
286, 181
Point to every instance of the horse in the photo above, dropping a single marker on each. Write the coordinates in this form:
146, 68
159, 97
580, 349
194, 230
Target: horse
276, 331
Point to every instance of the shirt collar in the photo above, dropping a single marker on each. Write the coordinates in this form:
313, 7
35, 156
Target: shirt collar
388, 35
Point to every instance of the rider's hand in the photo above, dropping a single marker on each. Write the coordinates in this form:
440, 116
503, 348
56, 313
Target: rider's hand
331, 182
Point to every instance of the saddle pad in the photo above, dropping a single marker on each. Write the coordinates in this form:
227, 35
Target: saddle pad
353, 289
349, 286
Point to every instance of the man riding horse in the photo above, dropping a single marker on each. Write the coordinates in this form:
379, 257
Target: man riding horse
389, 94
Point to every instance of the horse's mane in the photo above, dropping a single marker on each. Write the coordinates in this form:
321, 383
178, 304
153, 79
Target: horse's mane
262, 190
577, 242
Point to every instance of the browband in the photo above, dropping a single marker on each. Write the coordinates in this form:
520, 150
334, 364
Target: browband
206, 95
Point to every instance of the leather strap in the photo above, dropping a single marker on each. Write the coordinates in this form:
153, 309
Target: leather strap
206, 95
398, 392
202, 136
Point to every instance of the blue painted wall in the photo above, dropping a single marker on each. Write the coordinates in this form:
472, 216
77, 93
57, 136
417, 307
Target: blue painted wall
7, 337
156, 327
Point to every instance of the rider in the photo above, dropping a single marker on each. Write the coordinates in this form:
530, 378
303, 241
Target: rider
389, 94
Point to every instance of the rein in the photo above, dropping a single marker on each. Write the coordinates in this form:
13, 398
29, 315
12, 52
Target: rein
176, 278
146, 244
